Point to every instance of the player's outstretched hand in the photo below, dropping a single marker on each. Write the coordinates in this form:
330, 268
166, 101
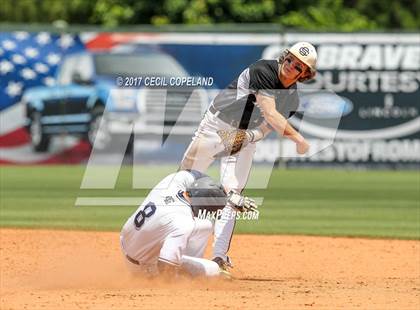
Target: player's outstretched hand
302, 147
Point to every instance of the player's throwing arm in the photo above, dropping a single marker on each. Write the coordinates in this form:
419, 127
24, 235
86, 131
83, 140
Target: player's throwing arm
280, 124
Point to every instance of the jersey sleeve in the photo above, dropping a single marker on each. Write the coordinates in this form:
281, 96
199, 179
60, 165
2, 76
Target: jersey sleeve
294, 104
261, 78
287, 103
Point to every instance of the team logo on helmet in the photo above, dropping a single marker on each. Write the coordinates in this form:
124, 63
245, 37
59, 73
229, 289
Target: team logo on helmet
304, 51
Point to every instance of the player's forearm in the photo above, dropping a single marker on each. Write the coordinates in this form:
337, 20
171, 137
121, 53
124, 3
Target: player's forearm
282, 127
265, 128
267, 106
292, 134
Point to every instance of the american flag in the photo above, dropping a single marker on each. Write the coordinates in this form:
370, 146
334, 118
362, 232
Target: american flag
31, 59
27, 60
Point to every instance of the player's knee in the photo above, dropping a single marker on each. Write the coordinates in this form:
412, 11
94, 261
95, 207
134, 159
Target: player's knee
186, 163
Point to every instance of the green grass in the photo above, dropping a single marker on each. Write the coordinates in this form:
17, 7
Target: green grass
312, 202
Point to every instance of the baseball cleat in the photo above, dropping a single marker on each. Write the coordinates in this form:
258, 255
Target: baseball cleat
225, 274
224, 267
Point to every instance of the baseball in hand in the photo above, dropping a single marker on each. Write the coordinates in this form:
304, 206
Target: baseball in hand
302, 147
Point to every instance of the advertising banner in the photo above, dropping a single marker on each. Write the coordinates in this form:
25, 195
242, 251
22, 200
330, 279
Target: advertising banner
370, 82
377, 78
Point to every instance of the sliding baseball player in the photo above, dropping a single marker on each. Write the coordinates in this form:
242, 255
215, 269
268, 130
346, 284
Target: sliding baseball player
258, 101
165, 236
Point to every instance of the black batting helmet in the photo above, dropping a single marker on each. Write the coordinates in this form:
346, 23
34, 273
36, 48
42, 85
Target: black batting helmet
206, 194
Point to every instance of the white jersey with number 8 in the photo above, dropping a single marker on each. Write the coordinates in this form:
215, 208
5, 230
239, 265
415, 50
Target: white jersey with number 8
163, 227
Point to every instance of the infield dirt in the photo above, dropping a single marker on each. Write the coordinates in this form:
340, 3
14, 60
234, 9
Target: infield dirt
48, 269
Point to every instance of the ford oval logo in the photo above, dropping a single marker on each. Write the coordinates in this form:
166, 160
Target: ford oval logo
325, 105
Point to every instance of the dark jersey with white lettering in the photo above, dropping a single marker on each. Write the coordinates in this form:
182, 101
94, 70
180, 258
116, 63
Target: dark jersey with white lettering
237, 101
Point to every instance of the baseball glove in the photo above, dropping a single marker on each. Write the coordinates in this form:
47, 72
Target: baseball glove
233, 141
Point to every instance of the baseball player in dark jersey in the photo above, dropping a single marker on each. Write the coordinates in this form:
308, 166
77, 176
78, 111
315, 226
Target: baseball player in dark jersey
260, 100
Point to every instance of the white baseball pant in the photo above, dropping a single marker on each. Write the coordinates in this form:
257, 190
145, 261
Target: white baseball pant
234, 172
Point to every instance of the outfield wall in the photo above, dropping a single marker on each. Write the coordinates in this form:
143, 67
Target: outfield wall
376, 77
